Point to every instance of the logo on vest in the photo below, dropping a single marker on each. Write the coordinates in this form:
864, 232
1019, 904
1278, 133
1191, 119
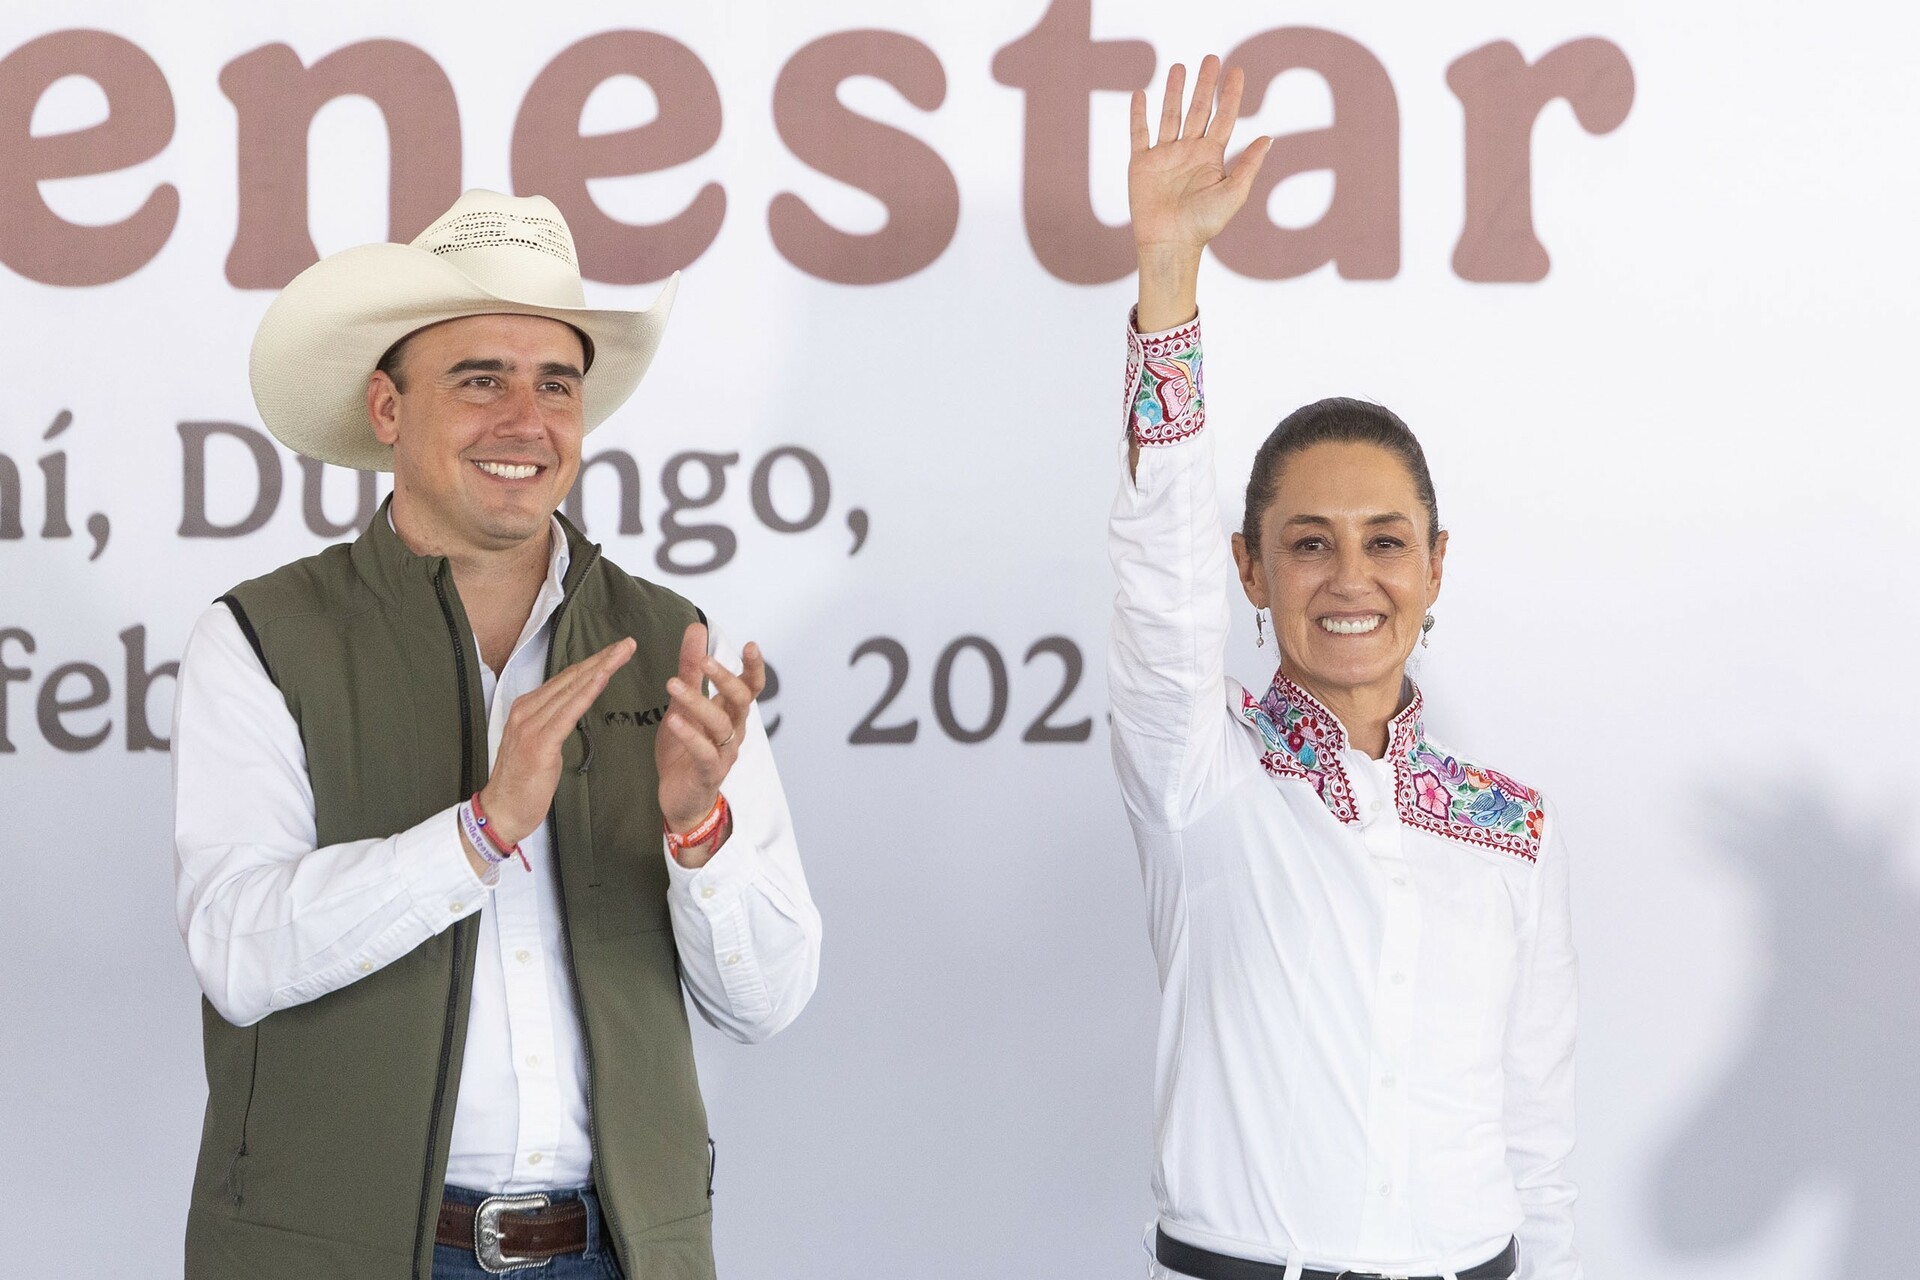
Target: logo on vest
638, 719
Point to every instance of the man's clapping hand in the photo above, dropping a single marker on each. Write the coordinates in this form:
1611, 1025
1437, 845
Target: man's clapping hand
526, 769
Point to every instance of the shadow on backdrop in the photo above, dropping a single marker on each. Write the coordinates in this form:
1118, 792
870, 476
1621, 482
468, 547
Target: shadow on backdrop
1823, 1089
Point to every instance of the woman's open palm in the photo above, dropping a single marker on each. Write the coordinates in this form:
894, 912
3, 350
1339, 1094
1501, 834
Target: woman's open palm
1181, 190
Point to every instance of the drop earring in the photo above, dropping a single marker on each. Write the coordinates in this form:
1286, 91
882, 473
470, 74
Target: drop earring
1426, 629
1259, 629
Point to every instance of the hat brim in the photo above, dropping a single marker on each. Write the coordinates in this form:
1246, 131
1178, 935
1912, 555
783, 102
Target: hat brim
320, 339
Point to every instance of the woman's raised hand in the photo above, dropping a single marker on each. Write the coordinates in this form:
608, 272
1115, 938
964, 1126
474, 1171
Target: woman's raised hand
1181, 190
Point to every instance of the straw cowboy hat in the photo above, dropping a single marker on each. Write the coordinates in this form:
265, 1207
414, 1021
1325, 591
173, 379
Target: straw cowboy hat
489, 254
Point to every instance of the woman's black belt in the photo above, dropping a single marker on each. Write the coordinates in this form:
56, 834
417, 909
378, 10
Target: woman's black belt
1205, 1264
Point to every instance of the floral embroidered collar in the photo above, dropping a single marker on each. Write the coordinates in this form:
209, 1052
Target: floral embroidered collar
1433, 791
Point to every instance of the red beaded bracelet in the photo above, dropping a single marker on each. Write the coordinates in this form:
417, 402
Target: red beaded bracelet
703, 831
486, 829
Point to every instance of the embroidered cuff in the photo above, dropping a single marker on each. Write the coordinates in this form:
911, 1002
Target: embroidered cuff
1165, 400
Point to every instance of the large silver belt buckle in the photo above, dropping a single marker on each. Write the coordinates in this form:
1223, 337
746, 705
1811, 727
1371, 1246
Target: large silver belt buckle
486, 1233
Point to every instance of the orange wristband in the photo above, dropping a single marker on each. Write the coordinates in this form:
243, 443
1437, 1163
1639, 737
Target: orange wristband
703, 831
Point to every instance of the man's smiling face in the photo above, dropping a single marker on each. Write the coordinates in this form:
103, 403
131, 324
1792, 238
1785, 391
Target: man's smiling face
485, 419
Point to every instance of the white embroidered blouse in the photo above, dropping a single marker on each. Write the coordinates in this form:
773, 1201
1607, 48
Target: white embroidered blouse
1367, 1019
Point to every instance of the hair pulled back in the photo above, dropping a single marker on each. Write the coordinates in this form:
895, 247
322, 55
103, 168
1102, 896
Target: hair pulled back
1336, 420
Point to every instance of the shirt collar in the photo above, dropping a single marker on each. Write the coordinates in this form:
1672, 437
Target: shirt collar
559, 556
1433, 790
1301, 738
1402, 731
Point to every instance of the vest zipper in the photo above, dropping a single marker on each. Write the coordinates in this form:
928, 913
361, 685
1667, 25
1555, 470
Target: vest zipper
566, 929
428, 1192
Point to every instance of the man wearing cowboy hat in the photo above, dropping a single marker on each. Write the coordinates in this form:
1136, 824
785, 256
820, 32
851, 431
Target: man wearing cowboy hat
461, 808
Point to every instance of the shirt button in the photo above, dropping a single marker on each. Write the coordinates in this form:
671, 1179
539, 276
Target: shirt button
1386, 1188
1387, 1082
535, 1159
734, 958
533, 1059
456, 907
366, 966
1399, 979
1376, 806
523, 955
1400, 882
707, 892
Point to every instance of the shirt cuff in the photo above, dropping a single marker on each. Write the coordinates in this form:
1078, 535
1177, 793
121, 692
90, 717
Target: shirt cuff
714, 885
1165, 399
717, 893
440, 881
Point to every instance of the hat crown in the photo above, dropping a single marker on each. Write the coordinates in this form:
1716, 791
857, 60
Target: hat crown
513, 246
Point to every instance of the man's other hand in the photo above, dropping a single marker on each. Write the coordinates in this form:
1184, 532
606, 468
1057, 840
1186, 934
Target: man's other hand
700, 736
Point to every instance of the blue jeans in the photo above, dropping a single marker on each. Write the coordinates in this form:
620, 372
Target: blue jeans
597, 1263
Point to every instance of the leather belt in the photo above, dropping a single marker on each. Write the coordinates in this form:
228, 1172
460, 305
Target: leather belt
1205, 1264
508, 1233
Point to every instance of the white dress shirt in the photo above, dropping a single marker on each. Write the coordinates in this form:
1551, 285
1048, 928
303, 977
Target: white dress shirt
270, 921
1366, 1036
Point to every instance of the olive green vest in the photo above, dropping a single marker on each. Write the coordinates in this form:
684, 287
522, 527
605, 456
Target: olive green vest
327, 1127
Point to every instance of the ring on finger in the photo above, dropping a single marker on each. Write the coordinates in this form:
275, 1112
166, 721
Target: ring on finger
729, 738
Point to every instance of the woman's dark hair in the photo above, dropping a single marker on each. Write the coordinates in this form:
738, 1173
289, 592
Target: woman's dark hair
1338, 420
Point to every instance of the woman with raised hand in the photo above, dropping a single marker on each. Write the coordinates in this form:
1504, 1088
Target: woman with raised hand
1366, 1037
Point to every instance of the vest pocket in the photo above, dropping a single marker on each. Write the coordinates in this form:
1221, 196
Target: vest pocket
220, 1173
629, 860
339, 1137
231, 1184
620, 912
607, 836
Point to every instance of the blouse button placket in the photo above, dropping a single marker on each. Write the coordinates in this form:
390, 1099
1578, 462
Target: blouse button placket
1388, 1130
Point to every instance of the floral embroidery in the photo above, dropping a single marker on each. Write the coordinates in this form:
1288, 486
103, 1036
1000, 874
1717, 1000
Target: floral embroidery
1302, 739
1431, 794
1447, 796
1435, 792
1166, 402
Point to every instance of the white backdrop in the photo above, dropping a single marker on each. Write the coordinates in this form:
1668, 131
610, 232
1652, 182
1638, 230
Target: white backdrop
1677, 469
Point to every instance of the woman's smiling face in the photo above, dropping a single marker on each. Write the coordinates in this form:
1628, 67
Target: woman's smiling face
1347, 565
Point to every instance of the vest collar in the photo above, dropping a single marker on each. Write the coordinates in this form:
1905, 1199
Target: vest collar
388, 565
